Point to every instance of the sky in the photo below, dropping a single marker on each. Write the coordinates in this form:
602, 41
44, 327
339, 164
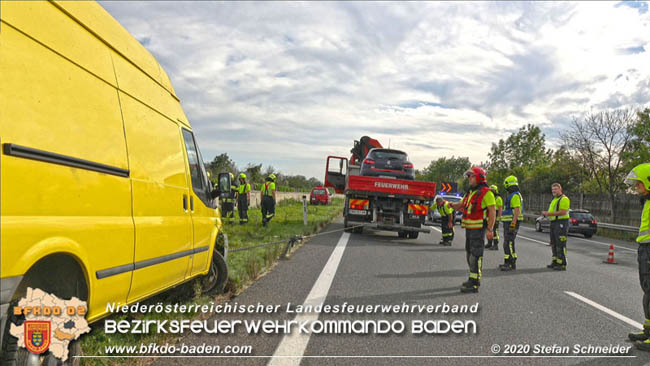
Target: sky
289, 83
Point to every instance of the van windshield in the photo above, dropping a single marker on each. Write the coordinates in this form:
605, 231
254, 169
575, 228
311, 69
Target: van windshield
318, 191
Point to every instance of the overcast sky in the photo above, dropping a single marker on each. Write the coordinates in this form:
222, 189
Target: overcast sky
288, 83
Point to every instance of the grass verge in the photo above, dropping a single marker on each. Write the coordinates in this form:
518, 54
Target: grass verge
245, 267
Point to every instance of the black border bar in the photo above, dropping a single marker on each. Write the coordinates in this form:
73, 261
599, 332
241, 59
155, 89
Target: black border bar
146, 263
49, 157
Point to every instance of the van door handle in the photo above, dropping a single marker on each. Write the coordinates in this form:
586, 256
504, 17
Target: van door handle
185, 202
192, 203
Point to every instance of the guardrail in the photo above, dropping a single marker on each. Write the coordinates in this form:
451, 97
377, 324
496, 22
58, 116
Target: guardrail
604, 225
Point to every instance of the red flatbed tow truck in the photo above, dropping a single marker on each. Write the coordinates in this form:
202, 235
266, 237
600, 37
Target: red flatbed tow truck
379, 203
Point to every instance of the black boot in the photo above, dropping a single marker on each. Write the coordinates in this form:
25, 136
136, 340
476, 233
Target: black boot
643, 345
471, 288
637, 336
559, 268
496, 246
488, 245
552, 265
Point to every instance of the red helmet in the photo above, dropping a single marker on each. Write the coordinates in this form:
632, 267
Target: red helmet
478, 172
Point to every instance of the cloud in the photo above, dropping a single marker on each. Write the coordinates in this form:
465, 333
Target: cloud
288, 83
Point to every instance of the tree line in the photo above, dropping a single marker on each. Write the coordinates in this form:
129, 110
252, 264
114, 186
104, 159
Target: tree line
597, 151
256, 174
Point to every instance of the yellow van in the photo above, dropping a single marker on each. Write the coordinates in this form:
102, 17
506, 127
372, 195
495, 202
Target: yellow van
103, 192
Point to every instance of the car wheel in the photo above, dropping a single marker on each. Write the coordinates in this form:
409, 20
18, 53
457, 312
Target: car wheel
538, 226
413, 234
588, 235
402, 234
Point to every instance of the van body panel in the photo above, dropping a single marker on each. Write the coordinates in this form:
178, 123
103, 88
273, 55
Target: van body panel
70, 39
141, 87
103, 26
62, 103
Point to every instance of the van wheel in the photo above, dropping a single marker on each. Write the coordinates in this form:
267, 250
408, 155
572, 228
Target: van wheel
215, 281
538, 226
413, 234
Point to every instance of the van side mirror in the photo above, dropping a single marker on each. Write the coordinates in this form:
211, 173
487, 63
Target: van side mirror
223, 185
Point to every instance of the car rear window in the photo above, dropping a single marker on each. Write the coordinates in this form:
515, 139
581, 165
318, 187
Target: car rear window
389, 155
582, 215
318, 191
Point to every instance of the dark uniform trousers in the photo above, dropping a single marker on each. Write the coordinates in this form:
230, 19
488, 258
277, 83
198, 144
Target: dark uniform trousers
644, 279
509, 253
228, 209
559, 231
268, 208
474, 253
242, 207
447, 232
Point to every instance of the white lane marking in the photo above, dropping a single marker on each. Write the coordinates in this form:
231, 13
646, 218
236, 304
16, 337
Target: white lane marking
590, 241
605, 309
294, 344
533, 240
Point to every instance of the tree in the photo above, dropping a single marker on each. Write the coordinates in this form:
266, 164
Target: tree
639, 151
446, 170
221, 164
254, 173
520, 154
599, 142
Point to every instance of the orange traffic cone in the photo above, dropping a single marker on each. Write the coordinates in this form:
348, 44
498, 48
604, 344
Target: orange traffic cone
610, 256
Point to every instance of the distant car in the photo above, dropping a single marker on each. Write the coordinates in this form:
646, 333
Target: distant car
387, 163
434, 215
320, 196
580, 222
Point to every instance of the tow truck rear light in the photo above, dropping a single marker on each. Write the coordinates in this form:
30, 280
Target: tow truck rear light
359, 204
369, 162
407, 166
417, 209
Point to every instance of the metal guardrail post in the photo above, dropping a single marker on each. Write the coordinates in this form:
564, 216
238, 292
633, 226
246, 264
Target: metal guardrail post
304, 209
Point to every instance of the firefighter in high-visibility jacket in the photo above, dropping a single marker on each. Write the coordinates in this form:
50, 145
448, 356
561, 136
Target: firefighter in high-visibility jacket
558, 215
494, 243
476, 201
639, 177
228, 202
243, 199
446, 221
512, 215
268, 199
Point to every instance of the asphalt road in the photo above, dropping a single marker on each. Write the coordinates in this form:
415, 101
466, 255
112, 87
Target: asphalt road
592, 303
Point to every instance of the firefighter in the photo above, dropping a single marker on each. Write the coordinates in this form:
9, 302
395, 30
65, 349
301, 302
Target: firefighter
243, 199
639, 177
228, 202
494, 244
478, 199
558, 214
446, 221
268, 199
511, 216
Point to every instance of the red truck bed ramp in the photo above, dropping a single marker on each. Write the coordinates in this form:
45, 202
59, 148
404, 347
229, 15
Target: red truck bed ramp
391, 187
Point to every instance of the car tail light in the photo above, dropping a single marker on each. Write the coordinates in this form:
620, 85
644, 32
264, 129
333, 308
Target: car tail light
418, 209
407, 166
574, 221
593, 222
369, 162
